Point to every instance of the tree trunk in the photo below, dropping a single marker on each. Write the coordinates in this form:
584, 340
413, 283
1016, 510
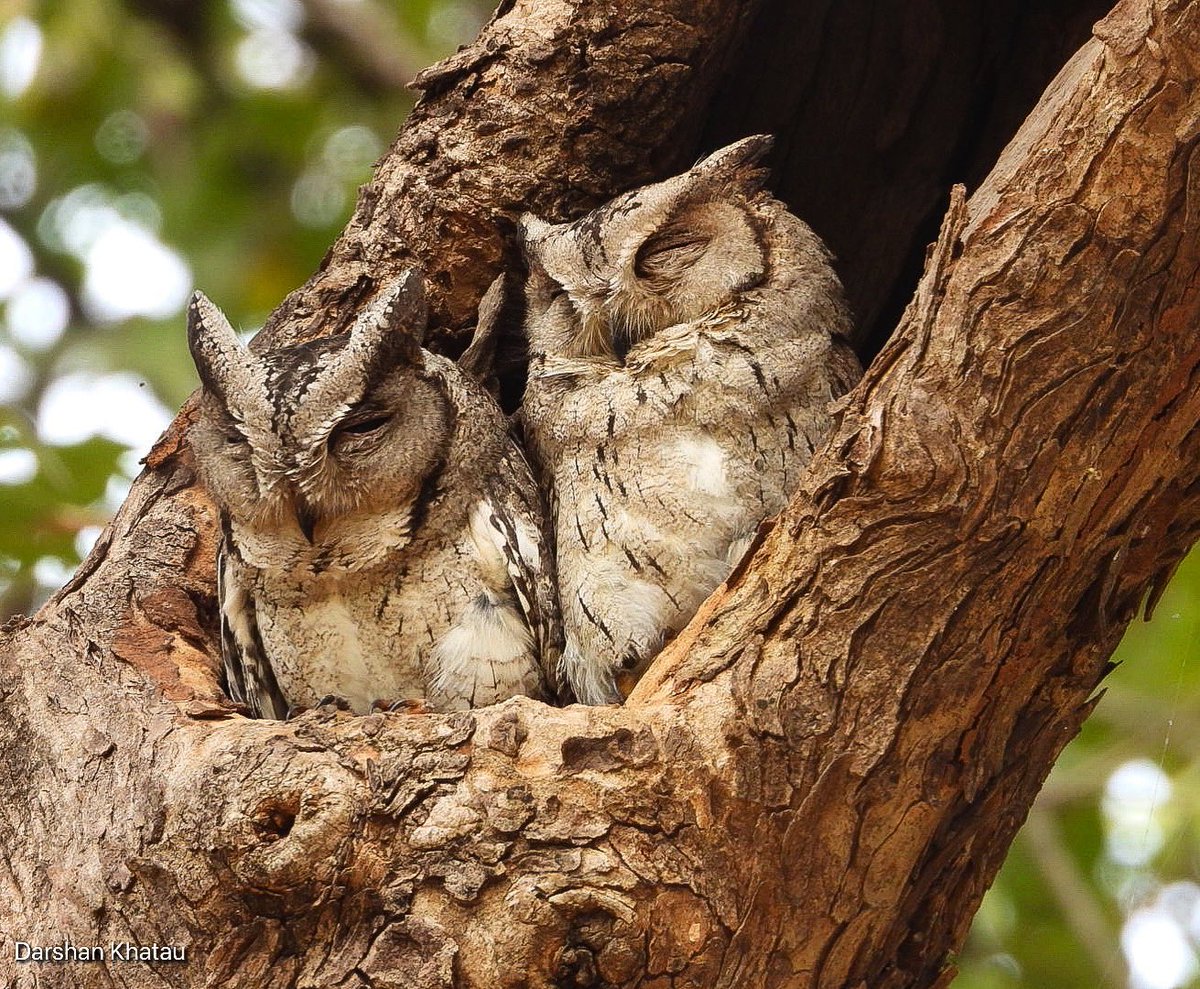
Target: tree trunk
818, 779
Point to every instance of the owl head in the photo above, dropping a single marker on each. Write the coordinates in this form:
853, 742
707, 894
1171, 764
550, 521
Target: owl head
303, 435
663, 254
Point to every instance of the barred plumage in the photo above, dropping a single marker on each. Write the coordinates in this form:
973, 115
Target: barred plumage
686, 341
382, 536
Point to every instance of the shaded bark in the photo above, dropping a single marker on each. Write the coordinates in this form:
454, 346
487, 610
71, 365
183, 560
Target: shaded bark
879, 107
553, 109
818, 779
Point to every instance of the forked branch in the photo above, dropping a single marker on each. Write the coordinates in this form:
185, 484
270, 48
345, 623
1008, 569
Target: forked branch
819, 778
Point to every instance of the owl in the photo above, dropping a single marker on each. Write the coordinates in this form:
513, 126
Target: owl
382, 537
686, 341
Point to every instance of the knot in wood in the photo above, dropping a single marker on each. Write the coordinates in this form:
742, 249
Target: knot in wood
576, 968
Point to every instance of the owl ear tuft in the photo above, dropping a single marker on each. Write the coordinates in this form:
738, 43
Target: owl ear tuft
405, 306
532, 230
737, 164
392, 327
479, 359
214, 345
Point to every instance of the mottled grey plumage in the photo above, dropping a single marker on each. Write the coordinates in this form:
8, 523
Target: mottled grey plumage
382, 536
686, 340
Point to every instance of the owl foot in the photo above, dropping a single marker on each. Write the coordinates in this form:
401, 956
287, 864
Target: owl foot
631, 658
625, 682
409, 705
340, 703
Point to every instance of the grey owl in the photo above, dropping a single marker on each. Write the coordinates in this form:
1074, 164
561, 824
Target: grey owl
382, 537
686, 341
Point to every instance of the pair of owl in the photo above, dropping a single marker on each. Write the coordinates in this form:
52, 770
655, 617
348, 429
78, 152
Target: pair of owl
382, 535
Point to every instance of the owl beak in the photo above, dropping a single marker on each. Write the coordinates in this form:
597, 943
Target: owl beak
306, 518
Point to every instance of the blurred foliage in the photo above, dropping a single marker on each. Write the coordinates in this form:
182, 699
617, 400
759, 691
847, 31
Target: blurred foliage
149, 146
1102, 886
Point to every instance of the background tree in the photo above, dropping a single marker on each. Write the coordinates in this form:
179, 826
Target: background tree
918, 96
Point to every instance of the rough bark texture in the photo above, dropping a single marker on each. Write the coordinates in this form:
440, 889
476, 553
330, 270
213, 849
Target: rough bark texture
554, 108
818, 779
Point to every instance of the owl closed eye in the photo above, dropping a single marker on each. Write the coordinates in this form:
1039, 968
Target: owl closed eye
653, 258
666, 255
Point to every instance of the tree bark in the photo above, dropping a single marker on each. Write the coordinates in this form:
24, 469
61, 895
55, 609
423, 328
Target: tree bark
818, 779
879, 107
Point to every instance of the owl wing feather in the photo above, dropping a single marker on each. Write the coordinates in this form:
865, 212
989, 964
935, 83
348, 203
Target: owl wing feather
248, 674
523, 541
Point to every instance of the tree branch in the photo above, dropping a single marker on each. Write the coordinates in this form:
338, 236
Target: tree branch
816, 782
1082, 914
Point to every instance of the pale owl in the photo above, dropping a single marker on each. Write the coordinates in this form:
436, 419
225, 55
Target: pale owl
686, 342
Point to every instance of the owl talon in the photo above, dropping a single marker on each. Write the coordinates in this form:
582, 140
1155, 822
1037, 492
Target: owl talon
408, 705
339, 702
